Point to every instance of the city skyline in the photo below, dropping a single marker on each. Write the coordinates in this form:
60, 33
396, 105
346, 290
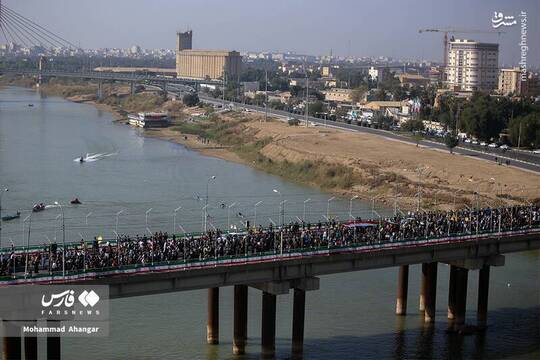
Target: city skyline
283, 27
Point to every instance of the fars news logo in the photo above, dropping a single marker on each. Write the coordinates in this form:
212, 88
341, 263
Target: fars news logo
63, 303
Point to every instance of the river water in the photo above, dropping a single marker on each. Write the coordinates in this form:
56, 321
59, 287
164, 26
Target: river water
145, 180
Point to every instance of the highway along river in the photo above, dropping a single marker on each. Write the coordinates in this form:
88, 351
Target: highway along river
132, 184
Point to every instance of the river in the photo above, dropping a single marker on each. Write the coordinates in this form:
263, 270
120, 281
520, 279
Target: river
132, 184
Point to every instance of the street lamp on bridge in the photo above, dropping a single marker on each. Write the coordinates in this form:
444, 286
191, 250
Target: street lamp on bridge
213, 177
350, 205
255, 217
328, 208
4, 190
304, 213
63, 239
229, 215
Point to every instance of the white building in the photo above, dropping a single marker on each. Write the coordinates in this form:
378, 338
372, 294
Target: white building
472, 65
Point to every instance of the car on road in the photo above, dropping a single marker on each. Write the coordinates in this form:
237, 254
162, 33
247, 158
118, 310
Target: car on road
505, 147
537, 151
493, 145
483, 143
468, 141
474, 142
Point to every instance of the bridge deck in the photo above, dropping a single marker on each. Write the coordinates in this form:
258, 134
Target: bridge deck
276, 267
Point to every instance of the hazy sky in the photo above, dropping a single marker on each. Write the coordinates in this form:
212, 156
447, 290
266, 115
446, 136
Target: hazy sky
372, 27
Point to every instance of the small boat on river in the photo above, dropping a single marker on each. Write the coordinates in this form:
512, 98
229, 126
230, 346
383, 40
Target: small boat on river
11, 217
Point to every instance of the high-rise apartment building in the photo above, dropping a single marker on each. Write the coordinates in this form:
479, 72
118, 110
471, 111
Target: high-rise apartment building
511, 82
472, 65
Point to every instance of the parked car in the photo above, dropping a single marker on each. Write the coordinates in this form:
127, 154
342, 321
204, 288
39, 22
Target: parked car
504, 147
474, 142
537, 151
483, 143
468, 141
493, 145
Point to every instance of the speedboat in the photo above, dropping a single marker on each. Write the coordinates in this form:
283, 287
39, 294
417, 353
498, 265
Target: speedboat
11, 217
38, 207
81, 159
30, 105
75, 201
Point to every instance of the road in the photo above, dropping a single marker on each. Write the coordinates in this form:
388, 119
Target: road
518, 163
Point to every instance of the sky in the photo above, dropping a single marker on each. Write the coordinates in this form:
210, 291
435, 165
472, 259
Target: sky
345, 27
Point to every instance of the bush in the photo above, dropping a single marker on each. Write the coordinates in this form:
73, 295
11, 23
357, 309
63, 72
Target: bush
293, 122
451, 141
413, 125
191, 99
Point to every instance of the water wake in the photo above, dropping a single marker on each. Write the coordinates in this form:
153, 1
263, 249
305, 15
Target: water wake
89, 157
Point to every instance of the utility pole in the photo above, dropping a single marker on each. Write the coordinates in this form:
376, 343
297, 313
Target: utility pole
307, 98
2, 191
266, 95
224, 80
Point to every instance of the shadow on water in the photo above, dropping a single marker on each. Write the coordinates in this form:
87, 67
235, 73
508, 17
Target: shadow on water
511, 332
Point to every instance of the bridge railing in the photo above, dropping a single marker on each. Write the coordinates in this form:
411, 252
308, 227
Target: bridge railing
275, 255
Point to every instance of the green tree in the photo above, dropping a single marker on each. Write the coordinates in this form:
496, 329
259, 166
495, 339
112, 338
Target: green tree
296, 90
451, 142
413, 125
316, 107
483, 117
530, 130
190, 99
259, 99
358, 93
276, 104
417, 137
380, 95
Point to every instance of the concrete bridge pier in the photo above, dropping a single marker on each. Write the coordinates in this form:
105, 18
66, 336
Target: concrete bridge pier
268, 327
299, 313
460, 298
457, 294
212, 326
423, 285
132, 88
240, 319
12, 344
100, 90
452, 295
483, 294
430, 295
403, 286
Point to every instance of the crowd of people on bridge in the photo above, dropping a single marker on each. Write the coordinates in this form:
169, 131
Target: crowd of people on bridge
163, 248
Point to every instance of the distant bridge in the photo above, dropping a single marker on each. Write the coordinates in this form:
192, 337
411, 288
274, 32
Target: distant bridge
101, 76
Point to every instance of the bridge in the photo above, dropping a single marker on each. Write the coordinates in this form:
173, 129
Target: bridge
292, 258
102, 76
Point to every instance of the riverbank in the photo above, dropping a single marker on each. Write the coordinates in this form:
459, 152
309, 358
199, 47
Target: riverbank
340, 162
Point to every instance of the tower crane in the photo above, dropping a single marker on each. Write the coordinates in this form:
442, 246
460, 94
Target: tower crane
456, 31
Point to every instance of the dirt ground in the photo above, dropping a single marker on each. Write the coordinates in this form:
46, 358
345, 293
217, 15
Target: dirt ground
441, 178
438, 175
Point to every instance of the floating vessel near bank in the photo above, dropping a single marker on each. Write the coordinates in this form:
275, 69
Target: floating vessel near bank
11, 217
149, 119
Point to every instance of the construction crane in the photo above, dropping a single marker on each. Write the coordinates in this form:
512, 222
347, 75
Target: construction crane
456, 31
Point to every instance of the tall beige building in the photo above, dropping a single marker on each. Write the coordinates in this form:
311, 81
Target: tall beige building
511, 82
205, 64
472, 65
